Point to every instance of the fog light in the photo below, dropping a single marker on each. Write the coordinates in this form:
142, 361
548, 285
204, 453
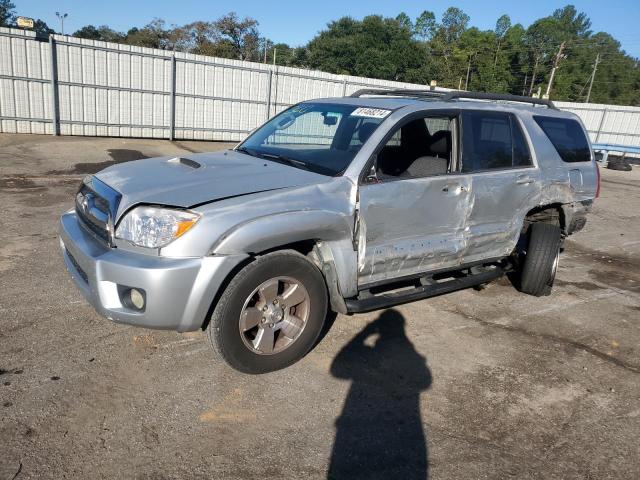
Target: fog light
137, 298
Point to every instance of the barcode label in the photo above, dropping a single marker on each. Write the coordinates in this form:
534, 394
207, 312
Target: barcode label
370, 112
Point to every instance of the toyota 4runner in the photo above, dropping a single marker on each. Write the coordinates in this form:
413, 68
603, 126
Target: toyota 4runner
350, 204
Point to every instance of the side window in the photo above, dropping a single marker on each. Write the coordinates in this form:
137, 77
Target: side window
568, 138
492, 141
419, 148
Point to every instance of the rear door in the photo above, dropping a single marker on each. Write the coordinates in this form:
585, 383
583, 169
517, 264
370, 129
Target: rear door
504, 182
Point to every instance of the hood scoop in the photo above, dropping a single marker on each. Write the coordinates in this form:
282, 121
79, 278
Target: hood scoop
199, 178
187, 162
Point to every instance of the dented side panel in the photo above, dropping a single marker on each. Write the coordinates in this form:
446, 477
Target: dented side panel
412, 225
501, 199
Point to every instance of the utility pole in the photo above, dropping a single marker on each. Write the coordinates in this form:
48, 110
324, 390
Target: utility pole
555, 67
593, 75
275, 50
61, 17
524, 87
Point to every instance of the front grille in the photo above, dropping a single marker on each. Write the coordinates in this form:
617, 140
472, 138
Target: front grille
96, 206
87, 221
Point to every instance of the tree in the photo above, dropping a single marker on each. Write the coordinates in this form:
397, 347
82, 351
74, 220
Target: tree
89, 32
454, 23
426, 26
102, 33
152, 35
196, 37
42, 29
542, 40
404, 21
238, 37
7, 13
502, 26
373, 47
574, 24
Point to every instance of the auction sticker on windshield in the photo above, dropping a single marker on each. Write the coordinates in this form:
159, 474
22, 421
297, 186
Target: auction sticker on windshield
370, 112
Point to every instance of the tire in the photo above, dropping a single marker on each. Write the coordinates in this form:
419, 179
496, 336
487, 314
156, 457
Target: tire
541, 259
622, 166
250, 349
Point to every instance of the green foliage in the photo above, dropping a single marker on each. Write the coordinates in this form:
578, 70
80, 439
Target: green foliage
42, 29
503, 24
509, 59
374, 47
7, 13
404, 21
426, 26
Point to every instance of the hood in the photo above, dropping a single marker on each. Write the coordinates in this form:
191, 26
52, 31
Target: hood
200, 178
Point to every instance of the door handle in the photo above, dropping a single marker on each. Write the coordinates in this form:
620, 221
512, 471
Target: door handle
524, 180
454, 189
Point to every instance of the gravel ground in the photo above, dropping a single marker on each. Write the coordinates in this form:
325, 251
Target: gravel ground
476, 384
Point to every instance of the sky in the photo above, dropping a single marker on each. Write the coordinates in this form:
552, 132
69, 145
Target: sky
297, 21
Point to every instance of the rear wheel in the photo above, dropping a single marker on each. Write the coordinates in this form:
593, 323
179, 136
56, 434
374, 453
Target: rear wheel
270, 314
541, 259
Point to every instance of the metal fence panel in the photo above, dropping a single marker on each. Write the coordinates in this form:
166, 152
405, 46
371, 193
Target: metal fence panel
24, 78
612, 124
84, 87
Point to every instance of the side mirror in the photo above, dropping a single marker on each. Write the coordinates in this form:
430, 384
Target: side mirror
372, 174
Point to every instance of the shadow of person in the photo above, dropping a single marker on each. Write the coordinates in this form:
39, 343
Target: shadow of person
379, 432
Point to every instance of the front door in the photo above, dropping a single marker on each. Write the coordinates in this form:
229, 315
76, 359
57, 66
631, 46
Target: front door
412, 212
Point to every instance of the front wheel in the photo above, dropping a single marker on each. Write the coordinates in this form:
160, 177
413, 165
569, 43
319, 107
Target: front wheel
270, 314
541, 259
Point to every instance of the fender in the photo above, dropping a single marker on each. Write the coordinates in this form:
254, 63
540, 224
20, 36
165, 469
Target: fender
271, 231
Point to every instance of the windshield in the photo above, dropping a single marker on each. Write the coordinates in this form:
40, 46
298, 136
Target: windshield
321, 137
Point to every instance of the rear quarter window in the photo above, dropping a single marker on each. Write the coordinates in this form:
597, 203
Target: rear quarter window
568, 138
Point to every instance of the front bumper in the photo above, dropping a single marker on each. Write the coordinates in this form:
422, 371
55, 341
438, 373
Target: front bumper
179, 291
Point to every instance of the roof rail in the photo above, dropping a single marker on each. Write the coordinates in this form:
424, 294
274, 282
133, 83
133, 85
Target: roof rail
504, 97
454, 95
398, 92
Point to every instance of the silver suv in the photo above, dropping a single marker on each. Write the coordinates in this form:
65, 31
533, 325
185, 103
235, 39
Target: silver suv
349, 204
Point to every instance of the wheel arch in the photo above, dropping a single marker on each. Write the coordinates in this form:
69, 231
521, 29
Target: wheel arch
553, 213
273, 232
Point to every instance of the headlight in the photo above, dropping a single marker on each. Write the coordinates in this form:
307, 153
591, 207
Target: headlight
155, 227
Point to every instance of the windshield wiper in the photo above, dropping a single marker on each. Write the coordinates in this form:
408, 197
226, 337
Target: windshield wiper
246, 151
281, 158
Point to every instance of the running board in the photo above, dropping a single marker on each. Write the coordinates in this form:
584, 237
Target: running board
384, 300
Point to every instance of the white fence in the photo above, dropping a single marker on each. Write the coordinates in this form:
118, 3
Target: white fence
72, 86
75, 86
611, 124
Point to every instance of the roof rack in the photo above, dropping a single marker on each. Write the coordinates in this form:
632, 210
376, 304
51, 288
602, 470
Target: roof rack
504, 97
455, 95
399, 92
